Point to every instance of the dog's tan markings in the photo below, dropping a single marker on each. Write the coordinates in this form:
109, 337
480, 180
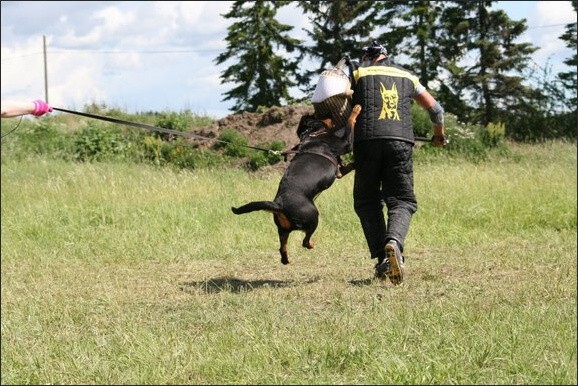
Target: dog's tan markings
328, 122
283, 238
283, 221
353, 116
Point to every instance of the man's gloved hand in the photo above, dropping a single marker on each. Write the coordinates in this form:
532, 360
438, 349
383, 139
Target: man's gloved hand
41, 108
439, 140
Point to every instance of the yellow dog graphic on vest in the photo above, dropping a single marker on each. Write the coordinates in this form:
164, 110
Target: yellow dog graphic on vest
390, 99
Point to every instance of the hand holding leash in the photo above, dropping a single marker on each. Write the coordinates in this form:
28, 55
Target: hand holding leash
41, 108
439, 140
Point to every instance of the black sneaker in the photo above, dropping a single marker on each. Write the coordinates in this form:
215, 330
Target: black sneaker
381, 269
395, 262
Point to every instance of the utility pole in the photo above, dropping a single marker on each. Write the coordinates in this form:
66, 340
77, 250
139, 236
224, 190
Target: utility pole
45, 70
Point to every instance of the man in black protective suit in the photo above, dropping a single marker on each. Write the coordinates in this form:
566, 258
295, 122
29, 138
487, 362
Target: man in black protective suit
383, 154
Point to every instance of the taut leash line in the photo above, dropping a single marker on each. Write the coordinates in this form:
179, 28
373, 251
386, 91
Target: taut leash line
155, 128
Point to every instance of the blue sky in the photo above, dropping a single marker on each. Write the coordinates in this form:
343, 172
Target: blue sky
154, 56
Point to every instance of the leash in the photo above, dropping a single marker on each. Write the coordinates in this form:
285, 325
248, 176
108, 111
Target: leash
19, 122
155, 128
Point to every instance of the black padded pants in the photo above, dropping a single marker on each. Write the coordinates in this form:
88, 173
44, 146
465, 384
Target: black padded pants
384, 175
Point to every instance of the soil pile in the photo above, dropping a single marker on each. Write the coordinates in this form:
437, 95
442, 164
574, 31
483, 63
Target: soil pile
277, 124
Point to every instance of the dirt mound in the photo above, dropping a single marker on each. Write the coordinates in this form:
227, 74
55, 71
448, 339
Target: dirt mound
276, 124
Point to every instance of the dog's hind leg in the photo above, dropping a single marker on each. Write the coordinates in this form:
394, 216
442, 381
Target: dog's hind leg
283, 237
307, 243
309, 230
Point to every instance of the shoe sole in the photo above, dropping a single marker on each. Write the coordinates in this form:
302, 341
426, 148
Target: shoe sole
395, 272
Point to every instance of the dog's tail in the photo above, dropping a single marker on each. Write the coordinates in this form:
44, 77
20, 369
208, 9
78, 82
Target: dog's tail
269, 206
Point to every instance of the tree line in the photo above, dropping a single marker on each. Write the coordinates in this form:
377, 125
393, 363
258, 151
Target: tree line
464, 52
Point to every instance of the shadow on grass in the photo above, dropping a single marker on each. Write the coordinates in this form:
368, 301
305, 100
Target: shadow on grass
362, 282
235, 285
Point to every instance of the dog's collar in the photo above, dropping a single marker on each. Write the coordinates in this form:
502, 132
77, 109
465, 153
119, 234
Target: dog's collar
332, 159
316, 132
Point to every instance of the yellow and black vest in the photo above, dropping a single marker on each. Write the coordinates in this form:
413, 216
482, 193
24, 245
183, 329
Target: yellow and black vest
385, 92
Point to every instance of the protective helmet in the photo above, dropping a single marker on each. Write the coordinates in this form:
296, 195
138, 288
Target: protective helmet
374, 50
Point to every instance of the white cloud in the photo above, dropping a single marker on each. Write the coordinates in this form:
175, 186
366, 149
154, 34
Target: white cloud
548, 23
554, 12
154, 56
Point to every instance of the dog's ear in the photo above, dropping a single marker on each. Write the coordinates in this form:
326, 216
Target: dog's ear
304, 124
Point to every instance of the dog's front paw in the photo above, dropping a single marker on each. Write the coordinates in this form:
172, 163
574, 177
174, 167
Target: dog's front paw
345, 169
353, 116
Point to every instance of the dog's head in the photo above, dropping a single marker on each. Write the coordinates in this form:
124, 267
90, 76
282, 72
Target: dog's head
309, 124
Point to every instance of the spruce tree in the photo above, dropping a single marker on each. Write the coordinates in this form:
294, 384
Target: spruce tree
413, 40
489, 78
338, 28
258, 44
568, 78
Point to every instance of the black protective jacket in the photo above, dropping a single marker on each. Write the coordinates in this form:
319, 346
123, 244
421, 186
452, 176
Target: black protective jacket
385, 92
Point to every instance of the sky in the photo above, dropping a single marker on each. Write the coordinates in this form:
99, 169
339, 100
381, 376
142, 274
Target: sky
142, 56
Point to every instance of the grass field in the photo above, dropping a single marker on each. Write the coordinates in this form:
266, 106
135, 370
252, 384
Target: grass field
130, 274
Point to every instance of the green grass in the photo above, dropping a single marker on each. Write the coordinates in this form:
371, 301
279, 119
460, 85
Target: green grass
131, 274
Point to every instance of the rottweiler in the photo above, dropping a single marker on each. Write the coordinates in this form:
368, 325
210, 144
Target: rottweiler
313, 169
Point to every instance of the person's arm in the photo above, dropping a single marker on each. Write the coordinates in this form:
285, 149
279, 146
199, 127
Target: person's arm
15, 109
436, 114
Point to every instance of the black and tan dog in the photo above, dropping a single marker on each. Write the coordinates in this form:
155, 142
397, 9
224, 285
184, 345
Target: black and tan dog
312, 170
